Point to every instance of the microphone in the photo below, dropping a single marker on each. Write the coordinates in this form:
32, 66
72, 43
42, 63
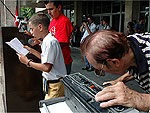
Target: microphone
30, 41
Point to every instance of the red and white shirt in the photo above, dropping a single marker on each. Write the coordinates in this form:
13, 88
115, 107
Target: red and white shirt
61, 28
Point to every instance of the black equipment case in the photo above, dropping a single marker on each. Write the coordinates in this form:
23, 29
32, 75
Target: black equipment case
80, 93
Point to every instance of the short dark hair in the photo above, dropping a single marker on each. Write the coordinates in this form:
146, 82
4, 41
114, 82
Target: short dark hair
91, 17
141, 18
131, 24
105, 19
56, 2
40, 18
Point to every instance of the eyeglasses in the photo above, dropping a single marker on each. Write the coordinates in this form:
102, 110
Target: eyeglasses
100, 72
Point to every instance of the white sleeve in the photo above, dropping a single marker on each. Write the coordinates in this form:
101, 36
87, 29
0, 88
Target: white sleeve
49, 53
93, 28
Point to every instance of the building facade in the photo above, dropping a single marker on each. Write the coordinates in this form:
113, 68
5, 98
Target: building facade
117, 12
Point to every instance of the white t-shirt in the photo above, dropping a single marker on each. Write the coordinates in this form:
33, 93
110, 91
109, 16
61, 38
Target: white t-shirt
51, 53
92, 28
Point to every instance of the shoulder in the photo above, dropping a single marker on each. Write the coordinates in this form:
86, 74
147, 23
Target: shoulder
93, 25
65, 19
108, 27
49, 39
140, 36
53, 40
136, 25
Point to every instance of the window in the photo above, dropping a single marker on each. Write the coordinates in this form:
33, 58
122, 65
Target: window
106, 7
115, 22
122, 23
97, 7
143, 5
116, 7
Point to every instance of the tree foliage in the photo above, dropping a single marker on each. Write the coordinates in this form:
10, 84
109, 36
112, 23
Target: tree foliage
27, 12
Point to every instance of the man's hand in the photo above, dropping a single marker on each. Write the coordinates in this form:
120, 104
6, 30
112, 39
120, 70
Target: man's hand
34, 42
113, 82
85, 24
29, 49
27, 32
124, 78
119, 94
23, 59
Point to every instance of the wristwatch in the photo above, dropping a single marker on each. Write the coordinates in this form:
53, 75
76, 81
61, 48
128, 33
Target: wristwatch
28, 64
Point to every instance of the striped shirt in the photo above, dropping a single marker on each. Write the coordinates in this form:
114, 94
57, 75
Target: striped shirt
140, 44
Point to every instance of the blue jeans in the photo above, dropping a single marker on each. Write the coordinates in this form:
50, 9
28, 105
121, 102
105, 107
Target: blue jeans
68, 68
87, 64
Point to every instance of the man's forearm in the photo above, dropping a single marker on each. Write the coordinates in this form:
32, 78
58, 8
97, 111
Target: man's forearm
143, 102
81, 28
36, 53
46, 67
88, 30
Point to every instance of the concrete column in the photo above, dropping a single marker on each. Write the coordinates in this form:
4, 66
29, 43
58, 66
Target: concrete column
0, 12
78, 13
19, 7
3, 105
132, 12
136, 10
6, 18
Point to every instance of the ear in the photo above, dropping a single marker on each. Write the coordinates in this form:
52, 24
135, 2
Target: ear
40, 26
113, 62
59, 7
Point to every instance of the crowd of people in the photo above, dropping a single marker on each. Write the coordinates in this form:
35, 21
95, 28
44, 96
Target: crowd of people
134, 27
87, 28
103, 50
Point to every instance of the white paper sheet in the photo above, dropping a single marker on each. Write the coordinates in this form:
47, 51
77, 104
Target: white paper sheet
60, 107
17, 46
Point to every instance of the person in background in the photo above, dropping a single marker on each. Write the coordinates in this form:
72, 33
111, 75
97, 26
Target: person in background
61, 28
134, 22
75, 37
23, 25
113, 52
130, 27
89, 27
105, 24
52, 61
140, 26
100, 26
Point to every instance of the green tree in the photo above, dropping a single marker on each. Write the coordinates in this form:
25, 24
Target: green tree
27, 12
